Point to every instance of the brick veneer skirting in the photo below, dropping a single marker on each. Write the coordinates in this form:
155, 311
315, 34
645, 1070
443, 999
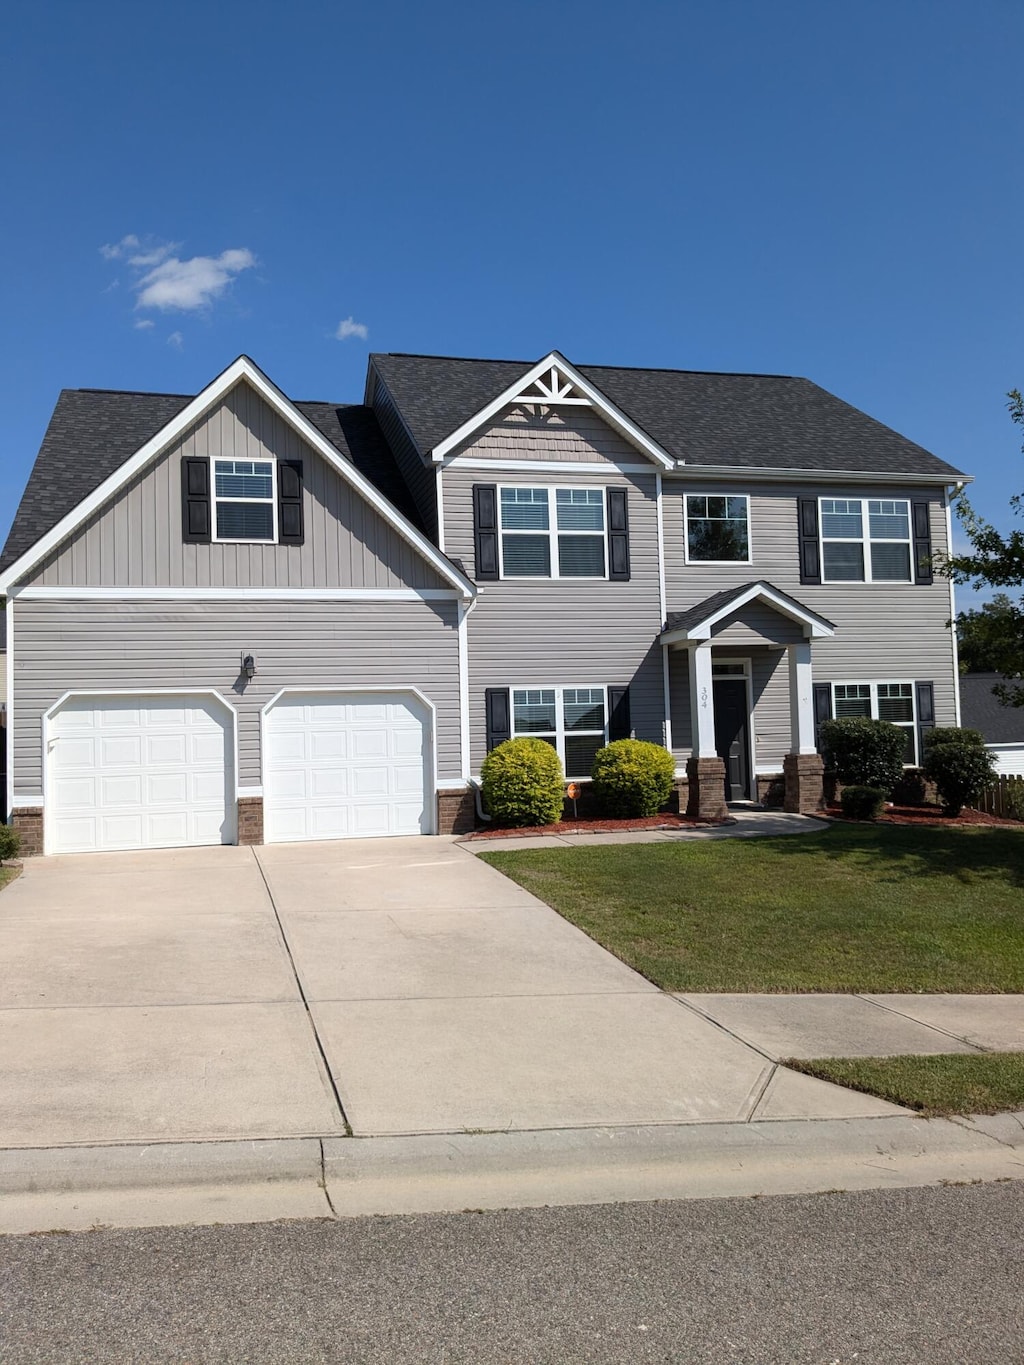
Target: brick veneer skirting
706, 781
250, 820
456, 811
29, 824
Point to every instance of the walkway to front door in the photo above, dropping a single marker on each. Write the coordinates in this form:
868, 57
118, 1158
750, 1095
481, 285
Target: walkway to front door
732, 735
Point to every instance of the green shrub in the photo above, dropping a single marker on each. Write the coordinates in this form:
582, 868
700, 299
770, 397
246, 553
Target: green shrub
862, 803
959, 765
632, 778
523, 783
864, 753
10, 842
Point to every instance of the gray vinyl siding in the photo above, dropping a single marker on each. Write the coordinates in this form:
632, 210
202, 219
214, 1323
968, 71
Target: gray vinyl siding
135, 646
885, 632
136, 540
553, 633
569, 435
420, 478
769, 689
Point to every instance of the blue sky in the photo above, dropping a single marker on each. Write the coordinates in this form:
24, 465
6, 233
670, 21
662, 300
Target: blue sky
802, 188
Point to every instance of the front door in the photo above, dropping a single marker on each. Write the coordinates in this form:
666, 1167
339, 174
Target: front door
732, 735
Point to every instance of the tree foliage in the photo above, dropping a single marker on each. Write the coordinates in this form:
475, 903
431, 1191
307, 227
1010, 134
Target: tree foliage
994, 634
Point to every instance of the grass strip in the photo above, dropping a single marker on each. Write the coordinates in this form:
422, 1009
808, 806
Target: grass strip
878, 908
954, 1083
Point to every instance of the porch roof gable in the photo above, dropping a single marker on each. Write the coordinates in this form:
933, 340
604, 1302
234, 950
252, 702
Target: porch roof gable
696, 623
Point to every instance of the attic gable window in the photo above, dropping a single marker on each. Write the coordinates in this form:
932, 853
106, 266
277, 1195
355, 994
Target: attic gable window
245, 501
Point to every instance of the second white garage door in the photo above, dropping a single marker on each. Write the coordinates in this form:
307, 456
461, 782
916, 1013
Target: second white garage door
346, 766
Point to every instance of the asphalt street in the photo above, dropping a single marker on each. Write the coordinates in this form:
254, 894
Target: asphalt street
926, 1276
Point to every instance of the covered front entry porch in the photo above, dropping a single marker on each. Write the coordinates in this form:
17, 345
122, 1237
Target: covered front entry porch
739, 672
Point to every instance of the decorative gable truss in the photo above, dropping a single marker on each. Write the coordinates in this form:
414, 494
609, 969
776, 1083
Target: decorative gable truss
554, 382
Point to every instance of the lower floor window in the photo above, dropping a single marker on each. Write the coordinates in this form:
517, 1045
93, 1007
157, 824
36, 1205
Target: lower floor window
880, 701
573, 720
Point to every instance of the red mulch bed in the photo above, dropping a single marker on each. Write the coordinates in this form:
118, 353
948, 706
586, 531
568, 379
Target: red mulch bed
664, 821
925, 815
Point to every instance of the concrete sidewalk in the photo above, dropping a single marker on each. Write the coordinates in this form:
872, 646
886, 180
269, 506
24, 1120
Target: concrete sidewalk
744, 823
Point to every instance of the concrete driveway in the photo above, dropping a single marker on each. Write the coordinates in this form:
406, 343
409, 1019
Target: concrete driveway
378, 986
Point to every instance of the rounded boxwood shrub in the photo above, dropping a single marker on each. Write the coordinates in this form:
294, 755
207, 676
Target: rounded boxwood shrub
10, 842
862, 803
863, 752
523, 783
632, 778
959, 764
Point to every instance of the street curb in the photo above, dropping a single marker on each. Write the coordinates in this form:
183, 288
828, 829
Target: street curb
205, 1182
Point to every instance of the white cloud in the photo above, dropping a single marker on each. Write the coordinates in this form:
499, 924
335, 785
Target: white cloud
111, 251
350, 328
184, 286
176, 340
142, 324
153, 255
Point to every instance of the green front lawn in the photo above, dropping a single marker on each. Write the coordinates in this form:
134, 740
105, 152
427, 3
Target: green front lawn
947, 1084
857, 908
7, 874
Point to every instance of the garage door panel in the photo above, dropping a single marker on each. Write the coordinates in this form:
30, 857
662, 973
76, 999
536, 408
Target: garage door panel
352, 767
139, 773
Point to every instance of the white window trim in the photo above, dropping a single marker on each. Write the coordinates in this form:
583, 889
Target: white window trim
553, 534
686, 532
243, 540
875, 685
866, 540
559, 732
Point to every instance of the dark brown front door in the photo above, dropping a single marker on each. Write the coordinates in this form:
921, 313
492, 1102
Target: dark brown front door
732, 735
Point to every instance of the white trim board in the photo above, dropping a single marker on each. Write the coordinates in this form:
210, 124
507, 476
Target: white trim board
560, 467
590, 396
226, 594
9, 669
242, 369
745, 474
815, 626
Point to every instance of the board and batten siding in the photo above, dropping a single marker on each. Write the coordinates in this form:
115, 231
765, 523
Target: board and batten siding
885, 632
420, 478
135, 646
545, 632
136, 539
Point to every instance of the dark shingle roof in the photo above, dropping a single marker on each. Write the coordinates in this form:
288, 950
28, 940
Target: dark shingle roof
93, 432
746, 420
980, 710
693, 616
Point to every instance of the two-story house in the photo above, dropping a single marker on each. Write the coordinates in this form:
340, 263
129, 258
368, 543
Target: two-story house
237, 617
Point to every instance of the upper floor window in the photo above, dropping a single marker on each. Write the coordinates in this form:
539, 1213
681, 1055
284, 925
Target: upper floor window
865, 540
559, 536
717, 528
244, 499
880, 701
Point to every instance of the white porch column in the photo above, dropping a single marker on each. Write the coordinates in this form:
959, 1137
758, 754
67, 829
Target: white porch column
702, 702
801, 698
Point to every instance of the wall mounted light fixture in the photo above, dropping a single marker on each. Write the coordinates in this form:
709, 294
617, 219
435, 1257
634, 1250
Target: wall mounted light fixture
249, 667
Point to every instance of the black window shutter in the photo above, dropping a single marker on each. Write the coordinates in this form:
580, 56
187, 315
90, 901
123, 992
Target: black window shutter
289, 502
485, 532
822, 709
810, 554
922, 543
618, 534
925, 714
619, 726
196, 522
499, 716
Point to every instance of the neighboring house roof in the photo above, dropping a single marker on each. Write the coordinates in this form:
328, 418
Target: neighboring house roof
696, 622
754, 421
980, 710
94, 431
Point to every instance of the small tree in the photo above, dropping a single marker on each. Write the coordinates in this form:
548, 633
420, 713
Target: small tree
959, 765
523, 783
632, 778
863, 752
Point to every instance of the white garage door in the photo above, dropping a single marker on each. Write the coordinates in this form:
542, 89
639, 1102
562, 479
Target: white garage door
346, 766
139, 772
